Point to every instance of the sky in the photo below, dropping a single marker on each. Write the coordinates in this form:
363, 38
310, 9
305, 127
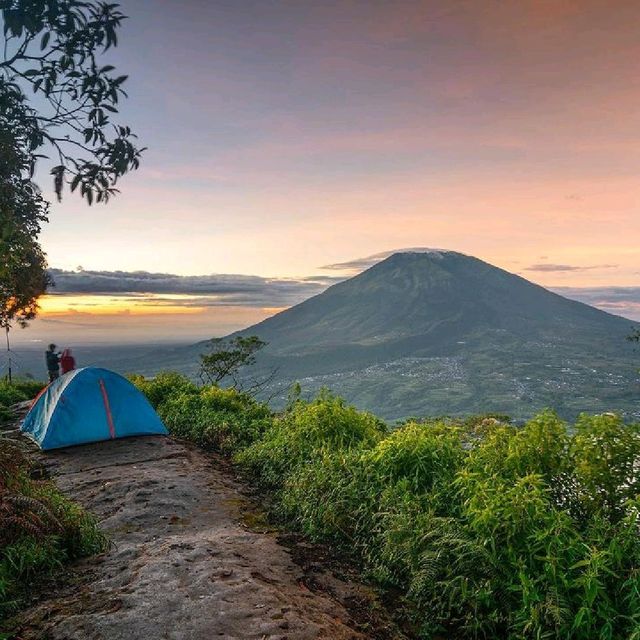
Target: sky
287, 137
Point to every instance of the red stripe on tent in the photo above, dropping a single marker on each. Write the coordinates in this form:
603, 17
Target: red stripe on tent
107, 408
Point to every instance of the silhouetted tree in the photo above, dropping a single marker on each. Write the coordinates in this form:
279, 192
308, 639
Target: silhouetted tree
23, 275
23, 278
226, 357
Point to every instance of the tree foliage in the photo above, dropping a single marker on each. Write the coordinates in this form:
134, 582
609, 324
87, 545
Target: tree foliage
52, 50
55, 98
23, 276
226, 357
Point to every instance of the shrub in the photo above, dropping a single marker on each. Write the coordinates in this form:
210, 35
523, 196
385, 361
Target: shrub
485, 529
220, 419
481, 525
304, 433
14, 392
164, 386
426, 456
320, 498
605, 455
223, 420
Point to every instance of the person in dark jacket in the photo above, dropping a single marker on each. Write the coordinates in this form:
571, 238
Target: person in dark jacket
67, 361
53, 362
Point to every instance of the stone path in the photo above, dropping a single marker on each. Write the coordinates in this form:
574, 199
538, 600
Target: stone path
183, 566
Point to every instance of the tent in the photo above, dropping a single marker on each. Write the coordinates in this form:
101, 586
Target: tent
89, 405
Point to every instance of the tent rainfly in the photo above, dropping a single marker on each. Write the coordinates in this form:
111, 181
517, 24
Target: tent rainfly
89, 405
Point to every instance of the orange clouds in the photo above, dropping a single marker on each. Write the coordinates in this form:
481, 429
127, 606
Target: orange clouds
118, 323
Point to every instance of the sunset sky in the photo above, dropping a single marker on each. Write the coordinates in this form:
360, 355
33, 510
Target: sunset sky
287, 137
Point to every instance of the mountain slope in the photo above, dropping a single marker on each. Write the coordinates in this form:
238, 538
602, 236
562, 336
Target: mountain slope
442, 332
444, 294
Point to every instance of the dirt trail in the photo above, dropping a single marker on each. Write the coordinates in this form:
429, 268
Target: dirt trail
183, 565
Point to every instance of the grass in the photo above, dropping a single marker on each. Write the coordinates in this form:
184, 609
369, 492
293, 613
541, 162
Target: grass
214, 418
486, 529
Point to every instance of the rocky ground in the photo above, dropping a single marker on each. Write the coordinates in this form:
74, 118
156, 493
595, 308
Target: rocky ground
191, 558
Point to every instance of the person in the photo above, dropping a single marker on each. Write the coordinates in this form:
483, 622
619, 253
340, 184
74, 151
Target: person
53, 362
67, 361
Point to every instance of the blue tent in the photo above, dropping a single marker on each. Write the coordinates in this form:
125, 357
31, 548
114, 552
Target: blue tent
89, 405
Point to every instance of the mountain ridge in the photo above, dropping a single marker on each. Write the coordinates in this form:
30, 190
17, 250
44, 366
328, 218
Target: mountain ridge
440, 333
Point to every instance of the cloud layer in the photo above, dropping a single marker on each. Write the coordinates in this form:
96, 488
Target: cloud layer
546, 267
227, 290
360, 264
622, 301
209, 290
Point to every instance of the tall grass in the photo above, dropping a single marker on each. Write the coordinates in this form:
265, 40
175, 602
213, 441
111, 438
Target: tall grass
488, 530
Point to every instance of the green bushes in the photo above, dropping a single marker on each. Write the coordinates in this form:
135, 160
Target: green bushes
220, 419
605, 459
214, 418
303, 433
163, 386
18, 391
489, 530
40, 529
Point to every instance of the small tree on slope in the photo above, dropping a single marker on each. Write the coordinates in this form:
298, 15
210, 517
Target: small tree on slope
226, 358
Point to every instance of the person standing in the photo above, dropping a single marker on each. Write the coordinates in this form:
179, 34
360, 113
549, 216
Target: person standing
53, 362
67, 361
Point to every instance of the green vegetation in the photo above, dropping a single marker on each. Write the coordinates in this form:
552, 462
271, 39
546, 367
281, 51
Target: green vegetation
488, 530
60, 97
226, 357
56, 100
221, 419
17, 391
40, 530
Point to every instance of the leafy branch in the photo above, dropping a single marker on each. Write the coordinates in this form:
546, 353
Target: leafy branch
51, 51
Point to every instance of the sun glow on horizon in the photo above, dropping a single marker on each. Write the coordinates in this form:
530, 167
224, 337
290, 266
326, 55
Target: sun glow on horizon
136, 318
126, 304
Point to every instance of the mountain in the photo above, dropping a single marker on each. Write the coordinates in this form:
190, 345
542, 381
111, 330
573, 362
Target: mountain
445, 333
435, 333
